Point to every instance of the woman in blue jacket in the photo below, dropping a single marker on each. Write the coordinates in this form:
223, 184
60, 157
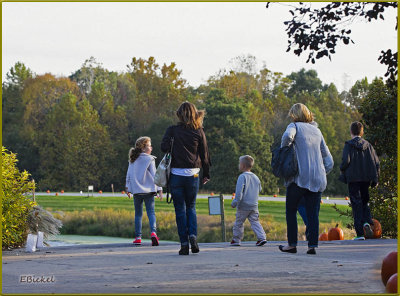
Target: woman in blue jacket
314, 162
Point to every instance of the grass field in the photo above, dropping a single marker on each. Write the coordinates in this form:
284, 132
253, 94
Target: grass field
274, 209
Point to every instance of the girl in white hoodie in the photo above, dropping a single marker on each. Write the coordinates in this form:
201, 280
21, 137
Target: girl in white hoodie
140, 183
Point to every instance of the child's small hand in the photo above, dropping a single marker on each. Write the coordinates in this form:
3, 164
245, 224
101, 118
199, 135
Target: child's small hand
129, 194
160, 195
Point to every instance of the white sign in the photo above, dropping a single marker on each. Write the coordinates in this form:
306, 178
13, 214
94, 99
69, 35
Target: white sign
214, 205
90, 187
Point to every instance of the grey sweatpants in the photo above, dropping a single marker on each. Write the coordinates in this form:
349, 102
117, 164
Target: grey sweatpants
238, 228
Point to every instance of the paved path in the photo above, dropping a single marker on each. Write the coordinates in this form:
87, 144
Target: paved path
338, 267
268, 198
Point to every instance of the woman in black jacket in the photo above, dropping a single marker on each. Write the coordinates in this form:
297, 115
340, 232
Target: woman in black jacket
189, 154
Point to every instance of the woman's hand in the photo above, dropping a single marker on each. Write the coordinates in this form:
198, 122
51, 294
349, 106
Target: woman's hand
205, 180
129, 194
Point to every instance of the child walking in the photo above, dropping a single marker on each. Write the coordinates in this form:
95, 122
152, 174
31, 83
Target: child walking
248, 187
360, 170
140, 183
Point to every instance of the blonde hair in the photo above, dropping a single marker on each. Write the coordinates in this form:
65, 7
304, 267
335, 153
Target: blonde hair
189, 116
140, 144
247, 160
300, 113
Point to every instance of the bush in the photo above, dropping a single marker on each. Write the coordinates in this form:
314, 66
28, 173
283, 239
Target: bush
120, 223
16, 204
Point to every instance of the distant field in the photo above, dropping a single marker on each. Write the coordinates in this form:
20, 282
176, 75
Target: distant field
78, 203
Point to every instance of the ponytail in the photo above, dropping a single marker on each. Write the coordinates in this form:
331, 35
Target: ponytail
134, 154
140, 144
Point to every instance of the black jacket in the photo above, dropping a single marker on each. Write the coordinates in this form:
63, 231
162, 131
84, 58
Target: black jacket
190, 148
359, 161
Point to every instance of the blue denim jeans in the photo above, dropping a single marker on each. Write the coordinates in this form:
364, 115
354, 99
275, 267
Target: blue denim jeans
184, 192
150, 204
294, 194
359, 198
302, 210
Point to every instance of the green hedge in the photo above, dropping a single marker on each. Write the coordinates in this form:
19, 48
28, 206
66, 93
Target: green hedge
16, 205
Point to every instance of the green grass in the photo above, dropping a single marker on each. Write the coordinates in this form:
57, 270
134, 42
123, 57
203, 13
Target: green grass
274, 209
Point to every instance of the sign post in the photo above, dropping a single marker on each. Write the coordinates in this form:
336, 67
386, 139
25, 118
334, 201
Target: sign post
216, 207
90, 188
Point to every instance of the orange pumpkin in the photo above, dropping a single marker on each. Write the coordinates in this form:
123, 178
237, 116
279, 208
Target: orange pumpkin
123, 192
100, 191
391, 286
275, 195
62, 191
346, 198
212, 194
389, 266
335, 233
56, 193
323, 236
48, 191
377, 228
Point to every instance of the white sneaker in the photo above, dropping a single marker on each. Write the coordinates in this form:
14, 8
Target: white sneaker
359, 238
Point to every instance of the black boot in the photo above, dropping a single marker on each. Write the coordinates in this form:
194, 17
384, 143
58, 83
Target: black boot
193, 244
184, 250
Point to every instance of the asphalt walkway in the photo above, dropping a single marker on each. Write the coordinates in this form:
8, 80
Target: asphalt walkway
338, 267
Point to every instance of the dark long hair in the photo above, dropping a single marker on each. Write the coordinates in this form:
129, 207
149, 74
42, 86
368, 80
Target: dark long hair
189, 116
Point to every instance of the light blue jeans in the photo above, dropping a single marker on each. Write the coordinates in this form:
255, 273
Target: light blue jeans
150, 209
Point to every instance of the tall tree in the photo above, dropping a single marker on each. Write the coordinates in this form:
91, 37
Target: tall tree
318, 31
13, 109
75, 148
231, 133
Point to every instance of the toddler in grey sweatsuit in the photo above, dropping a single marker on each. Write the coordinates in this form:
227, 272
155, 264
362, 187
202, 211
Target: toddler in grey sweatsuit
248, 187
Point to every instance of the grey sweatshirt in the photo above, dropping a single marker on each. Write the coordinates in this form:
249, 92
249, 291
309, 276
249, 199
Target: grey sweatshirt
140, 175
248, 187
313, 156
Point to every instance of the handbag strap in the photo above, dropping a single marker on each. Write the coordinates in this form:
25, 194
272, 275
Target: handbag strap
169, 200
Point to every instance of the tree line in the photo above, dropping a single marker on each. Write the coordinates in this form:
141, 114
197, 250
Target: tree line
71, 132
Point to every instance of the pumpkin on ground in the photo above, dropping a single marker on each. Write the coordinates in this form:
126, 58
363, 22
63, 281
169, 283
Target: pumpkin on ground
377, 228
335, 233
391, 286
323, 236
389, 266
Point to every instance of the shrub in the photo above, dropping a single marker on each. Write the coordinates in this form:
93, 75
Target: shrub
120, 223
41, 220
16, 204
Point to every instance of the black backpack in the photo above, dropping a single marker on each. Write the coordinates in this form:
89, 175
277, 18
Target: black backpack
284, 161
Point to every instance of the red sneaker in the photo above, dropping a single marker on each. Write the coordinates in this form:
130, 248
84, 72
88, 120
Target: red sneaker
154, 239
137, 241
235, 243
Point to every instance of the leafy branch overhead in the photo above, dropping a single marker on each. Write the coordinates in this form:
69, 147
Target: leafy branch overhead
317, 31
